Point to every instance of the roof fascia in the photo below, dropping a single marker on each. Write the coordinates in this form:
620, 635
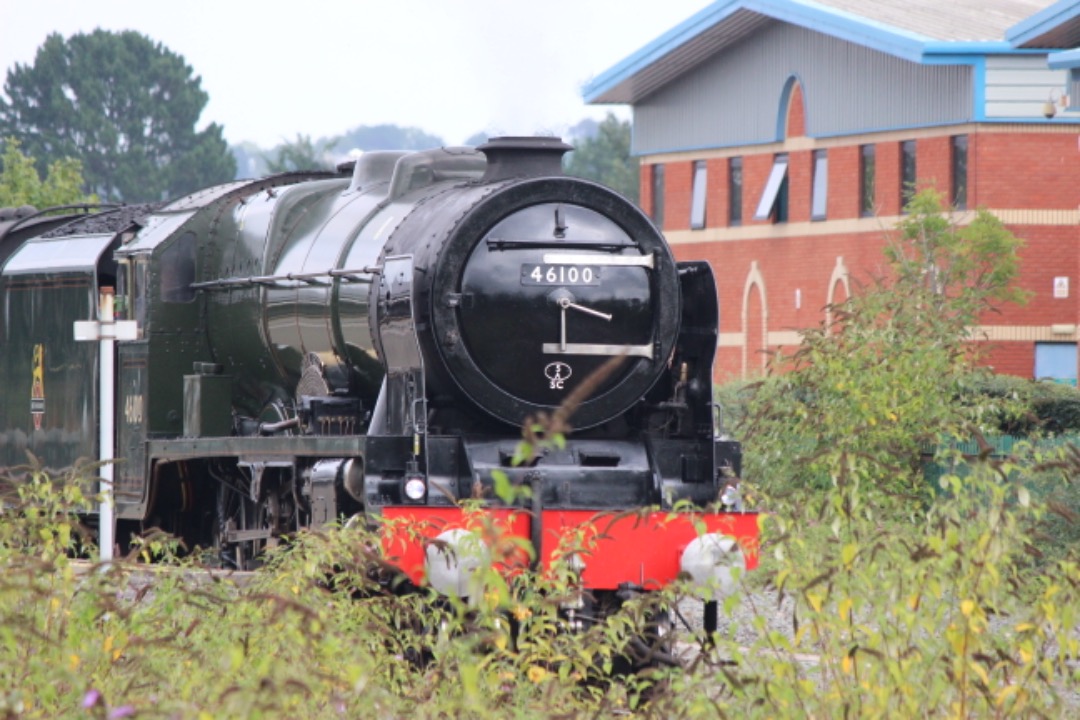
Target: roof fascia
903, 44
985, 47
844, 25
1043, 21
661, 46
1065, 60
804, 13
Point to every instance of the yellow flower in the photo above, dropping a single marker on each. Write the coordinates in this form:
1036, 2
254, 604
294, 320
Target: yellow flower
537, 674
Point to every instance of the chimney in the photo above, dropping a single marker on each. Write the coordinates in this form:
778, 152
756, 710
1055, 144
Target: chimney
515, 157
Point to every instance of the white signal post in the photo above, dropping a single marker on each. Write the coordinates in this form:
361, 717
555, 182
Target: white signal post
106, 330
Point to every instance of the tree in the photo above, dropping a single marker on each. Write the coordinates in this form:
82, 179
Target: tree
605, 158
477, 139
20, 183
582, 130
866, 393
385, 137
125, 106
301, 154
250, 160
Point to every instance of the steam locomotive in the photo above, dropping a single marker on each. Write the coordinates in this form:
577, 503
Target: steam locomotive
310, 347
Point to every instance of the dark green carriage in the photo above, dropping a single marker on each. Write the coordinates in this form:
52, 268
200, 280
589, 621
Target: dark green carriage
48, 396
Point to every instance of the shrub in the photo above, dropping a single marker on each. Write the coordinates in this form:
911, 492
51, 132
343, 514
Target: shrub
942, 617
1046, 407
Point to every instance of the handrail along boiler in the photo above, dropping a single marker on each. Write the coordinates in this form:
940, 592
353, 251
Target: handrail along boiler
316, 345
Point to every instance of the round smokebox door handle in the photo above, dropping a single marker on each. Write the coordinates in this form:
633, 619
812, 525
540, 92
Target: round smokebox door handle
564, 303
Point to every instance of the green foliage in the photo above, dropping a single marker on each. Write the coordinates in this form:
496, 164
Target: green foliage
385, 137
314, 634
20, 183
605, 158
866, 391
960, 272
300, 154
733, 399
39, 515
943, 617
125, 106
1045, 407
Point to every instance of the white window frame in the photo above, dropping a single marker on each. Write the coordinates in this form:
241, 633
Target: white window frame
819, 199
697, 203
772, 188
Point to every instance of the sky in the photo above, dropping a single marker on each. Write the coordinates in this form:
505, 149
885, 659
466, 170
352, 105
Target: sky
276, 69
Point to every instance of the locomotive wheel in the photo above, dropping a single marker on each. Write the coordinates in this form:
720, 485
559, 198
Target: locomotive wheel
244, 528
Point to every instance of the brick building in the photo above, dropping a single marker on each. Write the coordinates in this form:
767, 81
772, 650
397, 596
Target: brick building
778, 139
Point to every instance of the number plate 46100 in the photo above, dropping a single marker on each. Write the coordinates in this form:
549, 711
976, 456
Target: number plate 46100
537, 274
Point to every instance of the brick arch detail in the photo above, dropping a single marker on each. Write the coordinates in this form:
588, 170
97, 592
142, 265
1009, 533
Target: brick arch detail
755, 281
791, 113
840, 277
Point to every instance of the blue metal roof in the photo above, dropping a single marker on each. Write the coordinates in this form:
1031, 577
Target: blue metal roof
728, 21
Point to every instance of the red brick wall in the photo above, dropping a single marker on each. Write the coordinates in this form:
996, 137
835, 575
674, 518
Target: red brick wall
887, 178
645, 187
796, 118
678, 181
716, 200
933, 165
800, 182
844, 190
1010, 171
1011, 358
1007, 171
1027, 170
1048, 252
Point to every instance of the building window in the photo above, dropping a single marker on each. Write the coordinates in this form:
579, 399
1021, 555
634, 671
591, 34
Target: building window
959, 171
1056, 362
907, 173
697, 204
866, 180
735, 191
774, 200
820, 193
658, 195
